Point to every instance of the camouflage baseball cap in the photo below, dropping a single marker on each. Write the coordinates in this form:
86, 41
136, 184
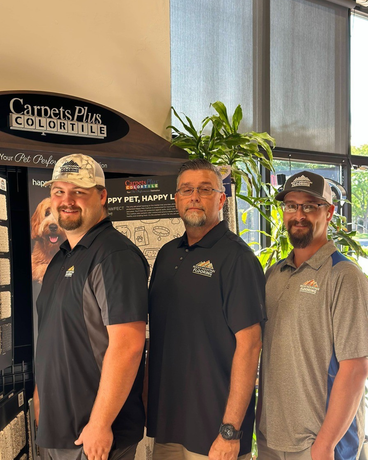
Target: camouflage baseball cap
78, 169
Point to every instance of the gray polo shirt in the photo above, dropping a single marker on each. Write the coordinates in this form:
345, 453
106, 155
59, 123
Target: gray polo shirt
317, 317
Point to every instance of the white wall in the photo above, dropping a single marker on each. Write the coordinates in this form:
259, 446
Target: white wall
113, 52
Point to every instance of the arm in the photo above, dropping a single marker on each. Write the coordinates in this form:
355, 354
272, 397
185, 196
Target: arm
243, 376
346, 394
121, 361
36, 405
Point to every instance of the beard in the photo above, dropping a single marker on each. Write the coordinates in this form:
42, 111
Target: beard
67, 224
300, 240
195, 219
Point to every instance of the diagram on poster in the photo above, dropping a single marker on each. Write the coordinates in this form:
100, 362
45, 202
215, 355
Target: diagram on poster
151, 234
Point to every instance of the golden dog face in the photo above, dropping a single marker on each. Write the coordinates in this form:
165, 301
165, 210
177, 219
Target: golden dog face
46, 237
45, 227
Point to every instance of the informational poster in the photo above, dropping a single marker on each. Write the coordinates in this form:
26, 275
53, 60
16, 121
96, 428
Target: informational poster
143, 209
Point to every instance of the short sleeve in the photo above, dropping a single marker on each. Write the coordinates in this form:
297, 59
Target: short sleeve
119, 283
350, 312
244, 293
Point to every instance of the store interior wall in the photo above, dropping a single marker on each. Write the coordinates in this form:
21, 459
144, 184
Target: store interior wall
116, 53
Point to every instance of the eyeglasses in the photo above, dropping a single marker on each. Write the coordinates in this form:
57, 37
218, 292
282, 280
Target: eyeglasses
306, 207
202, 191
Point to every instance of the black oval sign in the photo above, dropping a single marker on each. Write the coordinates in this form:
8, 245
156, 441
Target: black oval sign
59, 119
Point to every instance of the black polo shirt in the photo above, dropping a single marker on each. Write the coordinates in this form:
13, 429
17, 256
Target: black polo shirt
200, 297
102, 281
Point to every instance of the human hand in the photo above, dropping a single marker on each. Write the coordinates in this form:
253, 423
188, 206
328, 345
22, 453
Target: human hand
322, 452
223, 449
97, 441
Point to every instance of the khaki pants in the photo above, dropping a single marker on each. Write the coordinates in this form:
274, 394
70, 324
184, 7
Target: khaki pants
172, 451
266, 453
78, 454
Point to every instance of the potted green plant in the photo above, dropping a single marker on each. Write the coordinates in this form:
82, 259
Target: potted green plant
219, 141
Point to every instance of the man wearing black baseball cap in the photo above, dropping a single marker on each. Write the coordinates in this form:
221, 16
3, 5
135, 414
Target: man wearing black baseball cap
315, 347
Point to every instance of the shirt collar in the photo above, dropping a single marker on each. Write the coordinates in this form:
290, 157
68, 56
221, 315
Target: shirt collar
316, 261
209, 238
89, 237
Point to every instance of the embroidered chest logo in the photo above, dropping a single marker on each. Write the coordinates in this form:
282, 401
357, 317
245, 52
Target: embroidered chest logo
70, 272
204, 269
310, 287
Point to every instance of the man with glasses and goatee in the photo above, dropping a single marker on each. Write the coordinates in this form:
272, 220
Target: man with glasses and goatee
314, 359
206, 306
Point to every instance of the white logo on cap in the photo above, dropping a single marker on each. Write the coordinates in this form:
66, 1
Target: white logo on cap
70, 167
301, 181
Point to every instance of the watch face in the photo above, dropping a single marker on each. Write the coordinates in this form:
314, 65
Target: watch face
227, 431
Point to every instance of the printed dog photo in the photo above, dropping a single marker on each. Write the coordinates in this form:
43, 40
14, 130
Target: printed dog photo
46, 236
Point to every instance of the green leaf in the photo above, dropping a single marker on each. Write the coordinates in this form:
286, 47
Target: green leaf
237, 118
221, 110
188, 127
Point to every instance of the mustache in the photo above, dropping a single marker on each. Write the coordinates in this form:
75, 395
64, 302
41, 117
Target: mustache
70, 208
195, 207
305, 223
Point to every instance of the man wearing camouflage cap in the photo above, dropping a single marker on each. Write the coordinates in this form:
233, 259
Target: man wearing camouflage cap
315, 344
92, 312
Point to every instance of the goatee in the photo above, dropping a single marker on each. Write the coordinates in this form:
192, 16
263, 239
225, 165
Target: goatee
300, 240
67, 224
194, 219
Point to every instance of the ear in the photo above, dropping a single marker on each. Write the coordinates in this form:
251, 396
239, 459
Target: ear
103, 196
330, 212
222, 201
176, 200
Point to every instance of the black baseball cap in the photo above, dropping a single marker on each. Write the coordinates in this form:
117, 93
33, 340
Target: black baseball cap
307, 182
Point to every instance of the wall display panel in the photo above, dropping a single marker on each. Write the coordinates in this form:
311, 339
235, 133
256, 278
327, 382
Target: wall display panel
308, 75
12, 426
6, 297
3, 208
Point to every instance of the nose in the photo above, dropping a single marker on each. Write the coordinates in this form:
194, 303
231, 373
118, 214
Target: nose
68, 199
53, 227
195, 195
300, 213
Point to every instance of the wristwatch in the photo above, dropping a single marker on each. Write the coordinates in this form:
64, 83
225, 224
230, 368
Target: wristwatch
228, 432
